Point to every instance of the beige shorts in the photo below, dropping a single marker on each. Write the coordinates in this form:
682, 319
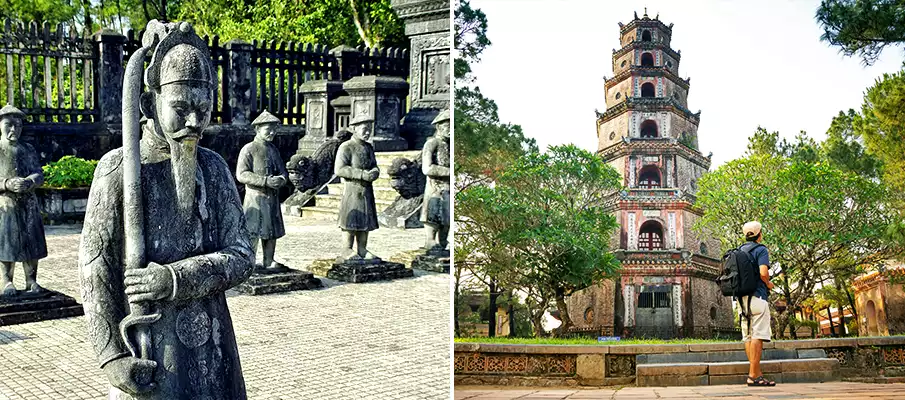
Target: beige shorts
760, 319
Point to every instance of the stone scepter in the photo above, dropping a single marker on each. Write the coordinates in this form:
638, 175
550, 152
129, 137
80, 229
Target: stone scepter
21, 229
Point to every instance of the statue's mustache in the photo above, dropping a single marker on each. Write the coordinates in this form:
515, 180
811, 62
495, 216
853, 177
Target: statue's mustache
186, 133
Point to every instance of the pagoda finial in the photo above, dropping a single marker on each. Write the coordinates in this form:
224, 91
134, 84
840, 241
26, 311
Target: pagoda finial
636, 15
645, 12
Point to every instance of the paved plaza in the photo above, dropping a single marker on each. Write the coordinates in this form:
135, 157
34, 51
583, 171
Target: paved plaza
385, 340
827, 391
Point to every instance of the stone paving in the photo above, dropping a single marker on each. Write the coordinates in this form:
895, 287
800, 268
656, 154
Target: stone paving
828, 391
385, 340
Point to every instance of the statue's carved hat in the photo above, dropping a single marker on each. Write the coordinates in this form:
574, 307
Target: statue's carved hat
441, 117
180, 55
265, 118
361, 118
11, 110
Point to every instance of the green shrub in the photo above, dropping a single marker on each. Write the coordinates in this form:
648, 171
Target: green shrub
69, 172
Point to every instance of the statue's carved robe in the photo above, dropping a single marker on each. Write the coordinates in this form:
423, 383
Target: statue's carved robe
357, 210
193, 343
257, 161
435, 165
21, 227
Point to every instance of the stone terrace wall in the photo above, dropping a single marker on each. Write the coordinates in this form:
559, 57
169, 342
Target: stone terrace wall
588, 365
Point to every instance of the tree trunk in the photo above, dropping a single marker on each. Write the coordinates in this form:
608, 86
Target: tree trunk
842, 321
491, 320
563, 313
511, 311
851, 301
832, 327
537, 322
362, 24
457, 330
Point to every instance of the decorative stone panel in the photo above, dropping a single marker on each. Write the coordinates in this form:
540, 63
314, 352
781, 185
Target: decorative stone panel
511, 364
620, 365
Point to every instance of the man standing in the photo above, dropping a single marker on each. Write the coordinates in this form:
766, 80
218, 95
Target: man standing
756, 320
194, 241
21, 227
261, 170
356, 164
435, 165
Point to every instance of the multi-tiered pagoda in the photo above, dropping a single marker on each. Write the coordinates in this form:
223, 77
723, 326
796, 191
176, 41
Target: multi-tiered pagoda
666, 286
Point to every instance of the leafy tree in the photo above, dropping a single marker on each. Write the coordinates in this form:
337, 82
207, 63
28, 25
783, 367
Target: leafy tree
329, 22
862, 27
542, 226
818, 218
470, 39
844, 147
882, 125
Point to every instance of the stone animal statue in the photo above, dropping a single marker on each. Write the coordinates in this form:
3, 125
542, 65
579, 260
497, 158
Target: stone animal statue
307, 174
406, 178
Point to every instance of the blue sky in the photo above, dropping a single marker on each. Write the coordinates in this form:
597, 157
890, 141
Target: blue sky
750, 63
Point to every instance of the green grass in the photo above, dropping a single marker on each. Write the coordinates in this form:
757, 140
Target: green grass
585, 341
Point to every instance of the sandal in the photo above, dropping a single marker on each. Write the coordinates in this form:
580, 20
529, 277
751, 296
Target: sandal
760, 381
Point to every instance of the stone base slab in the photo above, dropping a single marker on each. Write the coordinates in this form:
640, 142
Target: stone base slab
361, 271
265, 281
28, 307
433, 263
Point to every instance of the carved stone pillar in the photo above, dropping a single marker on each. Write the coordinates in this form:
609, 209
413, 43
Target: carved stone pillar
319, 120
384, 98
427, 26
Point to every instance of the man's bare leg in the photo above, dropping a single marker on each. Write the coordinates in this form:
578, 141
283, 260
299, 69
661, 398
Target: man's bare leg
361, 238
757, 350
31, 276
6, 278
270, 247
349, 242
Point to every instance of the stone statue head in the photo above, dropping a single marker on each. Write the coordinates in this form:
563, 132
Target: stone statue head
11, 123
362, 126
181, 80
441, 124
265, 126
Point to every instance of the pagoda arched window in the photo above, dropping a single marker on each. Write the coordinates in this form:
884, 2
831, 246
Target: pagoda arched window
649, 129
645, 36
647, 60
649, 177
651, 236
647, 90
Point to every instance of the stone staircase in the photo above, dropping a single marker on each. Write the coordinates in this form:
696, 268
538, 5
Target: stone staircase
731, 367
327, 204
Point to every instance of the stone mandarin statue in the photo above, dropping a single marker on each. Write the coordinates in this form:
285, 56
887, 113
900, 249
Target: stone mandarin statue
356, 164
435, 165
165, 235
263, 173
21, 227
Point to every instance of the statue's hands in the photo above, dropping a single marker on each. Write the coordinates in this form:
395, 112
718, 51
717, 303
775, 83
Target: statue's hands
18, 185
131, 375
276, 181
155, 282
373, 174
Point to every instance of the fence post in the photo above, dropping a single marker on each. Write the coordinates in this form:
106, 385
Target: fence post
239, 91
349, 61
110, 75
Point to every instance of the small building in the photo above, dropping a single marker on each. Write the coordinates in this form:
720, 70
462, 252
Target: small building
880, 299
667, 285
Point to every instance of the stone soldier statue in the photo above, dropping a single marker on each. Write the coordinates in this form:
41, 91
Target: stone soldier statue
21, 227
357, 166
263, 173
435, 165
192, 239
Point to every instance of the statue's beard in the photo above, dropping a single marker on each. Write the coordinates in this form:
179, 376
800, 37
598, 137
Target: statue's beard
183, 158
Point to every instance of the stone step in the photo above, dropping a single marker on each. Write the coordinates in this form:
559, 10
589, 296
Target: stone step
380, 193
726, 373
332, 201
318, 213
385, 158
726, 356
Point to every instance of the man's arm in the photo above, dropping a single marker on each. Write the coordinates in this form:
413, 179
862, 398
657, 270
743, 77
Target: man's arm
343, 165
427, 162
765, 276
244, 173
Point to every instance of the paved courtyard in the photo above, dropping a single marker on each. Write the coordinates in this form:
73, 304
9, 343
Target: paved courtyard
827, 391
386, 340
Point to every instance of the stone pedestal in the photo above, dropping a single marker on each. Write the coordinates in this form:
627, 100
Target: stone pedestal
28, 307
434, 261
427, 27
271, 280
382, 97
319, 116
360, 271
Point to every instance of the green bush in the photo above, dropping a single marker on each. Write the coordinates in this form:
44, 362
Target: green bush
69, 172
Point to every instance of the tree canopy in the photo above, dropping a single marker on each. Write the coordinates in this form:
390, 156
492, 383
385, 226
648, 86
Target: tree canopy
862, 28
